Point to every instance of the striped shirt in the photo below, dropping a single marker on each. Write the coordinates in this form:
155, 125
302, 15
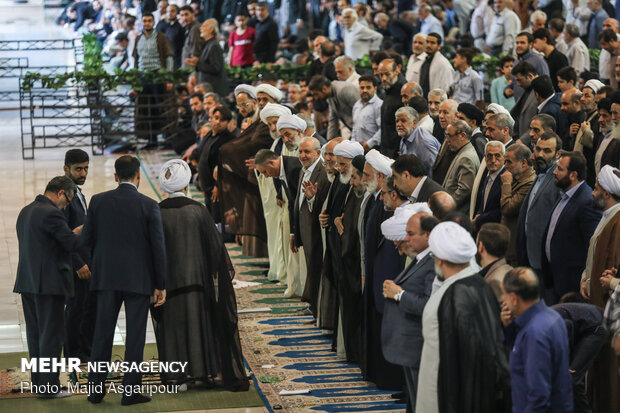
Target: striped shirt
148, 55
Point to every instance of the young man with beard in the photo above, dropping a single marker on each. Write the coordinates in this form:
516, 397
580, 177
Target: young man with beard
193, 44
367, 115
596, 283
169, 26
572, 223
415, 140
526, 106
516, 183
436, 71
571, 106
411, 179
392, 83
340, 97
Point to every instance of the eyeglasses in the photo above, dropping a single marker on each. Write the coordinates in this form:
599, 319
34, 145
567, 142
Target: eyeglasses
493, 155
244, 105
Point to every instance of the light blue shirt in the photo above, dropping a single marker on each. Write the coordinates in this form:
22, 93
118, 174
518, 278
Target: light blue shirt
431, 25
468, 87
367, 122
497, 93
566, 196
423, 145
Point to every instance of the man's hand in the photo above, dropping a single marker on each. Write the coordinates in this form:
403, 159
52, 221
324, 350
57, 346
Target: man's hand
506, 315
324, 218
293, 246
250, 164
339, 225
83, 273
77, 230
607, 276
506, 178
214, 196
574, 128
585, 125
279, 202
191, 61
365, 146
390, 289
309, 189
583, 291
159, 297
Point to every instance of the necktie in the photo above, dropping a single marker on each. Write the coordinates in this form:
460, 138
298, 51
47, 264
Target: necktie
487, 190
80, 196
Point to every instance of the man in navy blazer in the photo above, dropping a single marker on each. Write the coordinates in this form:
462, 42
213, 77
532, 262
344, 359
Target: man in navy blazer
80, 309
44, 274
487, 202
124, 230
570, 227
538, 204
406, 296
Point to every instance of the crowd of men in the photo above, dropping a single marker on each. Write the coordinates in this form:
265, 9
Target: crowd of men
456, 234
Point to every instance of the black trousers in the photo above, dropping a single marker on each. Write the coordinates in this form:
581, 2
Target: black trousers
136, 313
45, 331
411, 380
80, 313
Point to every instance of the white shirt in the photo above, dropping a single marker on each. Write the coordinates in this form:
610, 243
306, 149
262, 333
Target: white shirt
601, 150
542, 105
354, 78
306, 177
414, 66
578, 56
503, 31
359, 40
431, 24
427, 123
417, 189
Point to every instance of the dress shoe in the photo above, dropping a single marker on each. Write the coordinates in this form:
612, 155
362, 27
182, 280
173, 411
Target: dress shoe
135, 399
399, 395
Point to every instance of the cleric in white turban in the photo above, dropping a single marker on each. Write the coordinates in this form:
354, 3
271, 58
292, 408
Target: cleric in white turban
609, 180
380, 162
496, 108
273, 110
291, 122
247, 89
395, 228
174, 176
348, 149
272, 91
452, 243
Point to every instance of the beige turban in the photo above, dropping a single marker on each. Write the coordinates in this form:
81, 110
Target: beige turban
273, 109
379, 162
608, 180
348, 149
272, 91
451, 242
174, 176
291, 122
395, 228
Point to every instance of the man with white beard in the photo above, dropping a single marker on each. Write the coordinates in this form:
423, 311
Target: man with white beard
272, 197
415, 140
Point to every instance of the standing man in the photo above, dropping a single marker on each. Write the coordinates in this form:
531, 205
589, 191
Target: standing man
467, 87
173, 30
464, 303
543, 43
359, 40
80, 309
267, 37
210, 65
572, 223
436, 71
129, 267
193, 42
487, 198
367, 114
341, 97
540, 354
595, 27
392, 83
417, 58
345, 70
412, 180
503, 30
492, 242
44, 276
414, 139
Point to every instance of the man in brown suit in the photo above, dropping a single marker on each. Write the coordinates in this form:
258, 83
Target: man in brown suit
516, 183
492, 242
313, 189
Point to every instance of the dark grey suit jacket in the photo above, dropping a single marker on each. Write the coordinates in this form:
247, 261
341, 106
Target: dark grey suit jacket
429, 187
530, 244
45, 246
401, 333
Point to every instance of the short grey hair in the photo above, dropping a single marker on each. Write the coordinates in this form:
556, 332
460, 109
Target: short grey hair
521, 152
350, 10
296, 86
462, 127
547, 122
572, 30
214, 25
215, 97
495, 144
416, 88
440, 93
454, 105
308, 119
538, 14
422, 35
502, 120
263, 156
411, 113
346, 61
316, 144
425, 7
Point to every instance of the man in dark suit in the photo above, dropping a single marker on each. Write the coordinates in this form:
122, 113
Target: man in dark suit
44, 274
80, 309
129, 267
549, 102
411, 180
487, 199
538, 204
570, 227
313, 187
406, 296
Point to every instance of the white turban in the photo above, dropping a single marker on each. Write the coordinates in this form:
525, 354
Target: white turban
395, 228
291, 122
272, 91
273, 109
451, 242
496, 108
249, 89
594, 84
608, 180
348, 149
174, 175
379, 162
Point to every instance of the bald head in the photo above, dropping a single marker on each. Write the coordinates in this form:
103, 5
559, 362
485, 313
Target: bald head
409, 90
441, 203
329, 146
521, 290
611, 24
447, 112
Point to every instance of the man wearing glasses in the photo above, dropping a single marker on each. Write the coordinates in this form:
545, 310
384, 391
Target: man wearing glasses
45, 276
487, 198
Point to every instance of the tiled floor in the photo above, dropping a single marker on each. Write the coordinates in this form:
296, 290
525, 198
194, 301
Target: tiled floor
21, 181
